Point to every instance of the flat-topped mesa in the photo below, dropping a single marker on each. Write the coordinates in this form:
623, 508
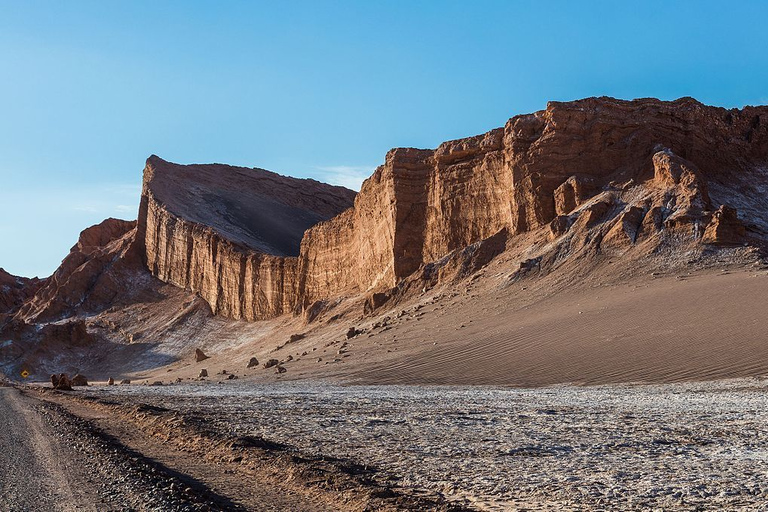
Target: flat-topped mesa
231, 234
646, 165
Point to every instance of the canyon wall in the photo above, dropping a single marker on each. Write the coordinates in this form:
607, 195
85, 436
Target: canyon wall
256, 245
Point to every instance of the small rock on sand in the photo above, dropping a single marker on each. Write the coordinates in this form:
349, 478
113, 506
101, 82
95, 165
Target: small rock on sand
253, 362
203, 373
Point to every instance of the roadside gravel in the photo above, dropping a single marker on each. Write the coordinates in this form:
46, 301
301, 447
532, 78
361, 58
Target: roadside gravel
696, 446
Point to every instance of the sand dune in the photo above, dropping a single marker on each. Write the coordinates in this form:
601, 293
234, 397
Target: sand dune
704, 326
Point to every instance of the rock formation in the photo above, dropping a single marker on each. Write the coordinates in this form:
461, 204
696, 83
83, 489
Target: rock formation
637, 167
577, 181
231, 234
15, 291
91, 277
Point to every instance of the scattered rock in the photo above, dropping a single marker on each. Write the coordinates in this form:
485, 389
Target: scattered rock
271, 363
253, 362
79, 380
111, 382
296, 337
125, 381
374, 301
200, 355
352, 332
157, 383
280, 369
725, 228
203, 373
61, 382
232, 377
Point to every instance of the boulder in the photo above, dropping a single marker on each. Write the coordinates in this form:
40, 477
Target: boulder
573, 192
61, 382
374, 301
111, 382
725, 228
352, 332
559, 226
203, 373
280, 369
79, 380
271, 363
253, 362
200, 355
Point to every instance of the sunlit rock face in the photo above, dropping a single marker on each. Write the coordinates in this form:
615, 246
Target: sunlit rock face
255, 245
231, 234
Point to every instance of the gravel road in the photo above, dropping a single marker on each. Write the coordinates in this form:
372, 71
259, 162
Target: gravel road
32, 477
54, 461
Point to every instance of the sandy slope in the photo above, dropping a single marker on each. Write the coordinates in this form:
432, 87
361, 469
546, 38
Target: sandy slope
666, 329
702, 324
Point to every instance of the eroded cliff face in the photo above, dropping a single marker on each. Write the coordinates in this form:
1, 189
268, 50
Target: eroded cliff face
598, 171
91, 277
231, 234
14, 291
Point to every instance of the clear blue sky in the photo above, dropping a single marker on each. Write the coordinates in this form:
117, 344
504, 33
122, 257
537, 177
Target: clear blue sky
89, 89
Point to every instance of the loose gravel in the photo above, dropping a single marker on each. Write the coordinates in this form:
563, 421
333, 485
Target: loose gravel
693, 446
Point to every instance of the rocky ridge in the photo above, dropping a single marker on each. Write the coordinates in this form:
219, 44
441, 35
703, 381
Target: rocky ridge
599, 172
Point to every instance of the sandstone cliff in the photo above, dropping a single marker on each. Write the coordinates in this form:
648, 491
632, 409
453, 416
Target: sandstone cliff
231, 234
556, 196
598, 171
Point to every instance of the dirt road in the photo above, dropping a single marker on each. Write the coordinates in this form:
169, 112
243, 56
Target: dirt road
67, 452
31, 478
51, 460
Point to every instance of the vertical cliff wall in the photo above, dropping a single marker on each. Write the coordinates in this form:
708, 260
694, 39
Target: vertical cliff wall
231, 234
255, 244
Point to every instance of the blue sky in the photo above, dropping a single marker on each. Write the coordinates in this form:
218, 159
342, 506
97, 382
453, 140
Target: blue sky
314, 89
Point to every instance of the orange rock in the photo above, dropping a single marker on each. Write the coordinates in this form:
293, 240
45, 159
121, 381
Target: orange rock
725, 228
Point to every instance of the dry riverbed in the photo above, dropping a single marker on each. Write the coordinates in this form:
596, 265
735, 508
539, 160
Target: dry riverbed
684, 446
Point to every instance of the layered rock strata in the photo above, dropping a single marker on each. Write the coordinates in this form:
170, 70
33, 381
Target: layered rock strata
645, 165
231, 234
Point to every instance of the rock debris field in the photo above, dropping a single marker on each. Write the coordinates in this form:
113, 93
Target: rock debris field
701, 446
